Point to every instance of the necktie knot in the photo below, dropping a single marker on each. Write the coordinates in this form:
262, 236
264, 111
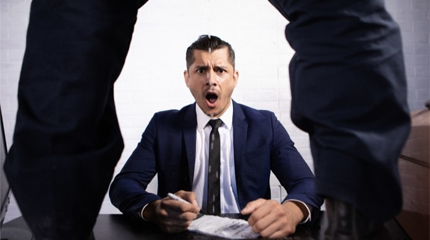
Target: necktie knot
215, 123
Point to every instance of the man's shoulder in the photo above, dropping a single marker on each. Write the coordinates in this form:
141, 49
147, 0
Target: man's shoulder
249, 111
174, 117
174, 112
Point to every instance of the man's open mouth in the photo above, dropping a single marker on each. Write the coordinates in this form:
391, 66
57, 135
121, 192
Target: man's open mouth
211, 97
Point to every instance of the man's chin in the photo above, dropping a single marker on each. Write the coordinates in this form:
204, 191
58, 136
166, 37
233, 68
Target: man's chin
212, 113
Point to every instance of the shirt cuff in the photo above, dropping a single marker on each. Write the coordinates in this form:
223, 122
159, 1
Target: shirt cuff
307, 209
141, 212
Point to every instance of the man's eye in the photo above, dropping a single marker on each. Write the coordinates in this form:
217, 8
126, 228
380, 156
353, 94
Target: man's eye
200, 71
220, 70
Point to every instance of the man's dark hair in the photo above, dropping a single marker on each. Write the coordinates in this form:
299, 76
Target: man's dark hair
209, 43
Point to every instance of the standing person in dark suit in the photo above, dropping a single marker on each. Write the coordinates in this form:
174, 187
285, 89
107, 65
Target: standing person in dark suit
349, 93
253, 143
67, 140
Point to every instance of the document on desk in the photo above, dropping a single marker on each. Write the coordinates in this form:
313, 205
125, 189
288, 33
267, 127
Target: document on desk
223, 227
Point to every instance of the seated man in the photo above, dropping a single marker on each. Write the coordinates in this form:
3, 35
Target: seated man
252, 143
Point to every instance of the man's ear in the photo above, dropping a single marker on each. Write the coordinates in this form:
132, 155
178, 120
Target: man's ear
186, 77
236, 77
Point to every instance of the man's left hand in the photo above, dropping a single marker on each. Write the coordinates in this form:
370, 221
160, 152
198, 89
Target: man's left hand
272, 219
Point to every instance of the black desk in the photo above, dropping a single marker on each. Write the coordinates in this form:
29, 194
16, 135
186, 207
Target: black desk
119, 227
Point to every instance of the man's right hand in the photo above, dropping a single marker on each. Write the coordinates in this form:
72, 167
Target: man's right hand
172, 215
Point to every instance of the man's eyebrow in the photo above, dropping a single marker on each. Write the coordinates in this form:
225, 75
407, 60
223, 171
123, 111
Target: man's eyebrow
221, 66
201, 67
206, 67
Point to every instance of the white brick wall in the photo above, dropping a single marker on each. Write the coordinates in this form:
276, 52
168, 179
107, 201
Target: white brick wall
152, 77
13, 26
413, 17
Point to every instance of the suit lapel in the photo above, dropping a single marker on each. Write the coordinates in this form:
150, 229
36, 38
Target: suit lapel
240, 129
189, 135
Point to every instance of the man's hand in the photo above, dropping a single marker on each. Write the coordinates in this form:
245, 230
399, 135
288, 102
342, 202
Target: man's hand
172, 215
272, 219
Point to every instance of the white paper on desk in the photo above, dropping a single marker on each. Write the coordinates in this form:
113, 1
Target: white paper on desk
223, 227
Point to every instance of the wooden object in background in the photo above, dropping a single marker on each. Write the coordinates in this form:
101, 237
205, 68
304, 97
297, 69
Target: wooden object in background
414, 173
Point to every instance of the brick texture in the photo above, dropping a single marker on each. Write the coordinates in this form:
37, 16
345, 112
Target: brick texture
413, 16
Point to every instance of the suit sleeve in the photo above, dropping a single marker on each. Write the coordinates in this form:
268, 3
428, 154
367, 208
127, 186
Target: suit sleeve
128, 190
291, 169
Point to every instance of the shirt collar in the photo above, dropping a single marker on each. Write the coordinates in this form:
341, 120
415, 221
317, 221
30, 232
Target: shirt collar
203, 119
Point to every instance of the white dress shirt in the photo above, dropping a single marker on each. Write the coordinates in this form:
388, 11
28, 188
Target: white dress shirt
229, 203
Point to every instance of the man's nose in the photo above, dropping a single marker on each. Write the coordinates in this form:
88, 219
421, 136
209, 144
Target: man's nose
211, 78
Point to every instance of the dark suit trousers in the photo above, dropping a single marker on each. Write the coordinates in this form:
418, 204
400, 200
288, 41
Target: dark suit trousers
67, 140
349, 93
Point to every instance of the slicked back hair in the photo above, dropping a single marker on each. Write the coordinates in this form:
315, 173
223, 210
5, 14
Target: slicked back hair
209, 43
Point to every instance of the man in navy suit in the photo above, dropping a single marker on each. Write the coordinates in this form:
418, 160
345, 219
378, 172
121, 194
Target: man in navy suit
253, 143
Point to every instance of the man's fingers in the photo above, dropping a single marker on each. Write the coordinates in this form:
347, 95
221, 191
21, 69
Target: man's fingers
272, 220
189, 197
172, 216
252, 206
174, 209
181, 207
273, 226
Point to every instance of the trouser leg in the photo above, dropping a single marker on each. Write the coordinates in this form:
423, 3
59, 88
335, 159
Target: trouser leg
67, 140
349, 93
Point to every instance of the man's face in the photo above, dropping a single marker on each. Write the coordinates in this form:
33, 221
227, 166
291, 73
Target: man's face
211, 80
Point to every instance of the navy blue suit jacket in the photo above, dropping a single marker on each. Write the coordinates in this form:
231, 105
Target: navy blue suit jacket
167, 148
